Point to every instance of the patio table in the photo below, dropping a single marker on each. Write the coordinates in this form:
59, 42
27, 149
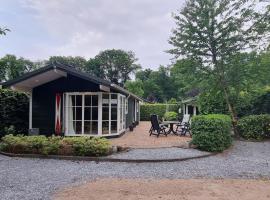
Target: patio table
171, 123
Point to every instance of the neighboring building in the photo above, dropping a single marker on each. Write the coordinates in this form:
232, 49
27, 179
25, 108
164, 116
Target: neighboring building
72, 103
190, 102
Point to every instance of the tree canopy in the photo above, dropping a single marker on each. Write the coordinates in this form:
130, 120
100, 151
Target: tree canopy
214, 33
114, 65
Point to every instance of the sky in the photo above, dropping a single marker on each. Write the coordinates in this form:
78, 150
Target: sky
43, 28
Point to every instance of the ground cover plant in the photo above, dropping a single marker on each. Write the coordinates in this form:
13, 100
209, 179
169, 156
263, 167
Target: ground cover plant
78, 146
211, 132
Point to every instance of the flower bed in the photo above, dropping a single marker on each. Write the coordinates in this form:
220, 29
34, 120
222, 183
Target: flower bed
78, 146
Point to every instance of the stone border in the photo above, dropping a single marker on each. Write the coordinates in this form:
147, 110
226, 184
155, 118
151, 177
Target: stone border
104, 159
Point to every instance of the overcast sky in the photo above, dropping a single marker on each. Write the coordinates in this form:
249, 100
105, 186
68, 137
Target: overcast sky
41, 28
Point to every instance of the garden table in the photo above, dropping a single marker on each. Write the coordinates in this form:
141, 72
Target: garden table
171, 123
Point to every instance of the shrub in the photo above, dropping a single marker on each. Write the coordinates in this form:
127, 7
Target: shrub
83, 146
168, 116
146, 110
254, 127
211, 132
13, 112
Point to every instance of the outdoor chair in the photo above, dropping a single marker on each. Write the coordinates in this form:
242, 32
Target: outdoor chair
184, 127
156, 127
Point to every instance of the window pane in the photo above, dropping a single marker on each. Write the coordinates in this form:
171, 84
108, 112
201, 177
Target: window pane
78, 113
105, 113
87, 100
94, 113
113, 127
113, 113
71, 100
105, 127
78, 127
94, 128
87, 113
105, 100
114, 96
87, 127
95, 100
78, 100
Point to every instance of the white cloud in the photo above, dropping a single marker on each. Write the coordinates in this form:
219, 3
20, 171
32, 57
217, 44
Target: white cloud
86, 27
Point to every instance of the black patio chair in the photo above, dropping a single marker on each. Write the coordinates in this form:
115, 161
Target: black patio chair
156, 127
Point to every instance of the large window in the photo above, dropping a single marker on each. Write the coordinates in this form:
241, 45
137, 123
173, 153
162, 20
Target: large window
94, 113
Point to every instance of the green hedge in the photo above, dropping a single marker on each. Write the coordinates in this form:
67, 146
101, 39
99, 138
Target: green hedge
254, 127
81, 146
211, 132
169, 116
146, 110
14, 112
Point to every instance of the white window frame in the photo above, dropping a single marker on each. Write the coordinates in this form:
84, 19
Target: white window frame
126, 106
120, 108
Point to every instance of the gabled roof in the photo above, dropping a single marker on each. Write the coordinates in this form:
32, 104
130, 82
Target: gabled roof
56, 70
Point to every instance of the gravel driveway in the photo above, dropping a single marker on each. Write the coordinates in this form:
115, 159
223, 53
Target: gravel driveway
22, 178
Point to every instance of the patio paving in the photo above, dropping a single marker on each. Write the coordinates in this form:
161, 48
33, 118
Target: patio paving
139, 138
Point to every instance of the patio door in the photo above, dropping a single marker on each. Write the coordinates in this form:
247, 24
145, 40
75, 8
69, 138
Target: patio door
99, 114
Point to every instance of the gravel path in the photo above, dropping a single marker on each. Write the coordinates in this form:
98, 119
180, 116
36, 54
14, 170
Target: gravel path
22, 178
160, 153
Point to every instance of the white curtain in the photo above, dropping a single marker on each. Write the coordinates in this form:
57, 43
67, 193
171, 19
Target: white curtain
70, 116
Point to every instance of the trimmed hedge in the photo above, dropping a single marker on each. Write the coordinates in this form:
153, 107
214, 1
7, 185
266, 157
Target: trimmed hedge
80, 146
169, 116
211, 132
14, 110
146, 110
254, 127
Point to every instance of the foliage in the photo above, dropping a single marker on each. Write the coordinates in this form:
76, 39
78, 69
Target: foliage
214, 33
136, 87
212, 102
114, 65
261, 105
157, 85
255, 127
211, 132
3, 31
77, 62
169, 116
83, 146
90, 146
146, 110
12, 67
13, 112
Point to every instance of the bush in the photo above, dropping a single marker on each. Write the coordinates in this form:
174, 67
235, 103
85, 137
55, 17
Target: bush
211, 132
254, 127
83, 146
169, 116
13, 112
146, 110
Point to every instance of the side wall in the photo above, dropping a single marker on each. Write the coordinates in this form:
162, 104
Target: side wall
132, 111
44, 100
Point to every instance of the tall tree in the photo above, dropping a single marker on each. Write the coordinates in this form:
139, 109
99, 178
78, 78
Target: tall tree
77, 62
115, 65
12, 67
212, 31
136, 87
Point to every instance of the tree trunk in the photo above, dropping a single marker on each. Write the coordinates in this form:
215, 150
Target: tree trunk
232, 112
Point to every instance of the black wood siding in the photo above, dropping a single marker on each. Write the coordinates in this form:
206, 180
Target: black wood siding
44, 100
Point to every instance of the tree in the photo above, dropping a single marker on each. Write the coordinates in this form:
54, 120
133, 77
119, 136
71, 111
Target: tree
115, 65
3, 31
136, 87
12, 67
213, 31
77, 62
94, 67
186, 75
